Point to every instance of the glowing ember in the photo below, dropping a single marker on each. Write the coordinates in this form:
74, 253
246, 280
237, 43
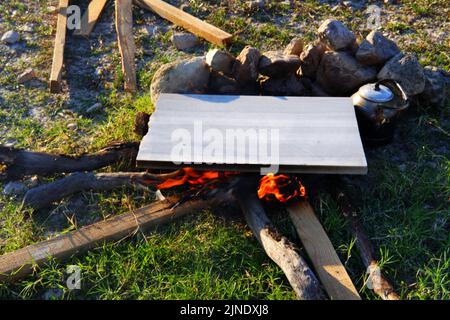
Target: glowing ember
280, 187
193, 177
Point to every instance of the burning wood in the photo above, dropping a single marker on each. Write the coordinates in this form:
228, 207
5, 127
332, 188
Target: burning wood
280, 187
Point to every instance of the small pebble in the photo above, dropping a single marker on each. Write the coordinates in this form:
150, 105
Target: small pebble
10, 37
72, 126
14, 188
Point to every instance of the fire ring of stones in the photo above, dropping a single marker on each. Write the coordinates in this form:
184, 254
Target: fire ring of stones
335, 64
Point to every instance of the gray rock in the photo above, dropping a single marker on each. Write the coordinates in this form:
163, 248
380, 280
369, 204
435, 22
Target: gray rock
407, 71
184, 41
52, 9
310, 59
219, 83
10, 37
340, 73
26, 76
436, 91
335, 34
275, 64
288, 86
220, 61
14, 188
245, 68
295, 47
185, 76
376, 49
256, 4
72, 126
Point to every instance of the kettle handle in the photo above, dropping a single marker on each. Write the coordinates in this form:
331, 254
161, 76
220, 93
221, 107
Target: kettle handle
389, 83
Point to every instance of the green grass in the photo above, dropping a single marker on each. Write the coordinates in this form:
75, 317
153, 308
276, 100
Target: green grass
403, 202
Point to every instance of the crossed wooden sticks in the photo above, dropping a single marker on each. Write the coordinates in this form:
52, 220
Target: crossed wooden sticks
124, 27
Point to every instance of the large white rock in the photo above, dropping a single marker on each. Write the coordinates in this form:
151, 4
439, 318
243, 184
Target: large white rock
376, 49
185, 76
407, 71
335, 34
340, 74
245, 69
220, 61
275, 64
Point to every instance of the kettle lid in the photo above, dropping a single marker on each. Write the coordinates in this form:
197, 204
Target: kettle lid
376, 92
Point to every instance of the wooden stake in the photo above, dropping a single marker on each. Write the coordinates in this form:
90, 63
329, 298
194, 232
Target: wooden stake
187, 21
17, 264
127, 48
90, 17
326, 262
58, 53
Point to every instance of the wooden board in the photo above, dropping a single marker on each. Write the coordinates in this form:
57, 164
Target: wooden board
90, 17
127, 47
326, 262
187, 21
17, 264
58, 51
316, 135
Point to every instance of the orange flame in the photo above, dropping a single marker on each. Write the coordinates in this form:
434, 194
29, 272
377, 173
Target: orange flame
193, 177
280, 187
272, 187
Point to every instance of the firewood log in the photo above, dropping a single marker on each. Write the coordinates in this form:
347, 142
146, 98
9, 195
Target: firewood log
21, 163
282, 251
44, 195
379, 284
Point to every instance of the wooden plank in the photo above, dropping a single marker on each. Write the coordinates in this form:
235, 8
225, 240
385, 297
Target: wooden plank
127, 47
90, 17
315, 135
58, 52
326, 262
187, 21
17, 264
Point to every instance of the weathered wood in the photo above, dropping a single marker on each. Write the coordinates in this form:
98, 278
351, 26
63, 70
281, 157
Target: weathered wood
18, 264
45, 195
379, 284
90, 17
300, 134
58, 52
127, 47
327, 265
22, 162
278, 248
187, 21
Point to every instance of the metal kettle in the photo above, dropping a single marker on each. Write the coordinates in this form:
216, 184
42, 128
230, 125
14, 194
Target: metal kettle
377, 107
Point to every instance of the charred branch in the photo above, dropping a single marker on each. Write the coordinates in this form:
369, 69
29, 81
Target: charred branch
380, 284
45, 195
21, 163
282, 251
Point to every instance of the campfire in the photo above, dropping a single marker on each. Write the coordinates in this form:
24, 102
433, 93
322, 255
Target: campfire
322, 131
272, 187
